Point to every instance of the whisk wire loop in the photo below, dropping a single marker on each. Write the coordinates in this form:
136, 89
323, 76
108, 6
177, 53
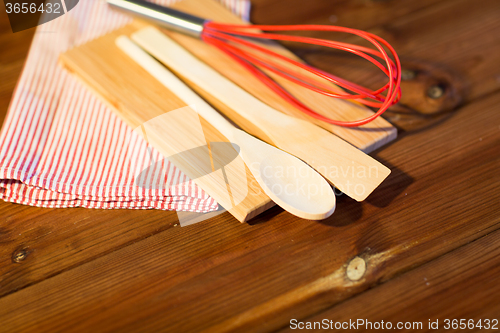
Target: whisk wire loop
255, 58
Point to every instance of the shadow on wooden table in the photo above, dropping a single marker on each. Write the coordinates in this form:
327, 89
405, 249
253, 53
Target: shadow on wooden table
391, 187
349, 211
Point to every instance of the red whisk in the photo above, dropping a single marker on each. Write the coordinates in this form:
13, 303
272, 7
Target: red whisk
255, 58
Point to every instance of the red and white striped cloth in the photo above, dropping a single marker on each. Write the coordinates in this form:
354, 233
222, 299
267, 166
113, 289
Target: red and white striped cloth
61, 147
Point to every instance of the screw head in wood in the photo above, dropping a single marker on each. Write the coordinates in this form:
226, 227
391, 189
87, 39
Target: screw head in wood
356, 269
435, 92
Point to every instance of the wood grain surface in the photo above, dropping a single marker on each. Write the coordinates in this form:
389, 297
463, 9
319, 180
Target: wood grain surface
462, 284
436, 217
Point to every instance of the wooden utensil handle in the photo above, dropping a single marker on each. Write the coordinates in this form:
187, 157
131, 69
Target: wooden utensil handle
169, 80
182, 61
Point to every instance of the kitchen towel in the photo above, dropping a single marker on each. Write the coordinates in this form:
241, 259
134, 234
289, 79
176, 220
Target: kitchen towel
61, 147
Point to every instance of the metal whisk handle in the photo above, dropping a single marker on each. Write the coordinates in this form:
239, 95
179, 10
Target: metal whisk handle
164, 16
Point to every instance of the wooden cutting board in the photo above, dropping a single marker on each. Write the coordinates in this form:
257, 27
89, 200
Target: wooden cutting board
144, 103
187, 140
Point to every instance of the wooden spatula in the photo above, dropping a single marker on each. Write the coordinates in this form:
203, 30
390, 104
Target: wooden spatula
349, 169
308, 196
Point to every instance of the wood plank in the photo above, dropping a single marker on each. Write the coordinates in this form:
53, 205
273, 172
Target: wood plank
445, 46
12, 58
54, 240
142, 101
456, 35
280, 266
462, 284
359, 14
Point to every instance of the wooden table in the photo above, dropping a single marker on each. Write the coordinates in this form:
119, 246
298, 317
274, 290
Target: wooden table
424, 246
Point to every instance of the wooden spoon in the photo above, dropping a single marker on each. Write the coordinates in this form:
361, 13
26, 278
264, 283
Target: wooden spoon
287, 180
349, 169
